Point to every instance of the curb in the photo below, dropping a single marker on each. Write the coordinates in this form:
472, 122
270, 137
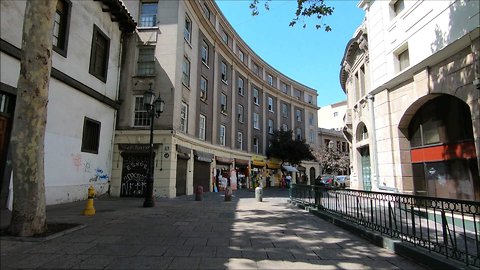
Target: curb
46, 238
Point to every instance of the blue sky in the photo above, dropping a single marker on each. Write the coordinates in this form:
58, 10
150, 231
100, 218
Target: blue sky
309, 56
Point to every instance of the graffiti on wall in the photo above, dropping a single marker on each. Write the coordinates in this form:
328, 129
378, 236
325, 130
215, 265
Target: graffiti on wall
134, 175
84, 166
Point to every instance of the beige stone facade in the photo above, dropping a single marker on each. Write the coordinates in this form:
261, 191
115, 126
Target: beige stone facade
222, 102
415, 130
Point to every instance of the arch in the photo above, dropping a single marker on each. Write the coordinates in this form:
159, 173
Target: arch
361, 132
442, 148
410, 112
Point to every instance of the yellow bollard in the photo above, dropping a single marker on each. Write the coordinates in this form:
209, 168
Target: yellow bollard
89, 209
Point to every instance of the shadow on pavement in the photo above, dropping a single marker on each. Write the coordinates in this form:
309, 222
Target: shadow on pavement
182, 233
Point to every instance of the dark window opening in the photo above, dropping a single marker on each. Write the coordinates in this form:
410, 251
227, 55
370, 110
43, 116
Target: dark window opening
61, 22
91, 136
99, 54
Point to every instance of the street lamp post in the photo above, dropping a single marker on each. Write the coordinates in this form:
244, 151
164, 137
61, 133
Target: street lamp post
154, 109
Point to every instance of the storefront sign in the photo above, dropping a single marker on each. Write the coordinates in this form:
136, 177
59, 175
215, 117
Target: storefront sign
136, 148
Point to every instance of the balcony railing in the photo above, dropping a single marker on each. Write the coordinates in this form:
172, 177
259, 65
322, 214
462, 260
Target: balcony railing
444, 226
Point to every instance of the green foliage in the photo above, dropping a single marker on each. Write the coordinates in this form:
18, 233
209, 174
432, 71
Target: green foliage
305, 9
283, 147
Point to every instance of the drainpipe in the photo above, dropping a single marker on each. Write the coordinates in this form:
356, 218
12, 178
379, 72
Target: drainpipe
115, 113
370, 99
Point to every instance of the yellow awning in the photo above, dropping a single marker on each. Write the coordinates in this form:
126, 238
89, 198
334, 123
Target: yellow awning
273, 164
258, 161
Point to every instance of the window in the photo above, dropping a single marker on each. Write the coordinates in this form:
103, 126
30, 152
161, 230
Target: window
311, 136
223, 103
240, 113
270, 80
335, 114
403, 60
284, 110
222, 135
398, 6
241, 90
270, 126
91, 136
299, 115
255, 96
148, 15
224, 72
187, 31
270, 104
284, 87
311, 119
284, 127
364, 133
255, 69
326, 143
204, 53
140, 114
255, 145
310, 99
224, 37
99, 54
146, 61
240, 140
299, 134
241, 55
61, 23
206, 11
298, 94
203, 88
184, 118
256, 121
186, 72
201, 127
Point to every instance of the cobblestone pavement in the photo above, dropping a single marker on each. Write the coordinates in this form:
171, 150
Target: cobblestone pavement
182, 233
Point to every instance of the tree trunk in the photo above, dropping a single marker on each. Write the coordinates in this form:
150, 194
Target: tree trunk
29, 214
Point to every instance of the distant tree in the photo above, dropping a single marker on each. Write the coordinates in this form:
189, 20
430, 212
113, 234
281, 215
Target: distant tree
28, 133
331, 160
285, 148
305, 9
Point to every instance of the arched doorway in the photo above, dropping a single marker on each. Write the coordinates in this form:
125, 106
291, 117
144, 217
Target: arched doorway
443, 150
364, 157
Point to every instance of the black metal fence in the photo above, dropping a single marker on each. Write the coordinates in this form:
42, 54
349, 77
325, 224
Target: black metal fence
445, 226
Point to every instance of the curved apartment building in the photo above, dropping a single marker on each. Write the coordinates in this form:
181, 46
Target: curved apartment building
222, 102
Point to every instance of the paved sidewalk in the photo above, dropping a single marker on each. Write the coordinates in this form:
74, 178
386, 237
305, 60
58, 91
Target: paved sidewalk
183, 233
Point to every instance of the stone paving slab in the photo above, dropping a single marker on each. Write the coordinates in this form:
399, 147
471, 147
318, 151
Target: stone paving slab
182, 233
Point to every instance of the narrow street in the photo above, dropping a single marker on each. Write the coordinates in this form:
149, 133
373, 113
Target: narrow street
186, 234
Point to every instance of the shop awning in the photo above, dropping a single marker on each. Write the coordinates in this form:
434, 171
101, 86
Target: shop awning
258, 161
241, 162
273, 164
183, 152
224, 160
289, 168
203, 156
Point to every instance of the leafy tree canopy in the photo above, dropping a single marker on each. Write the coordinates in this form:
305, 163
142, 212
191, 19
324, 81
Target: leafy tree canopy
283, 147
305, 9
